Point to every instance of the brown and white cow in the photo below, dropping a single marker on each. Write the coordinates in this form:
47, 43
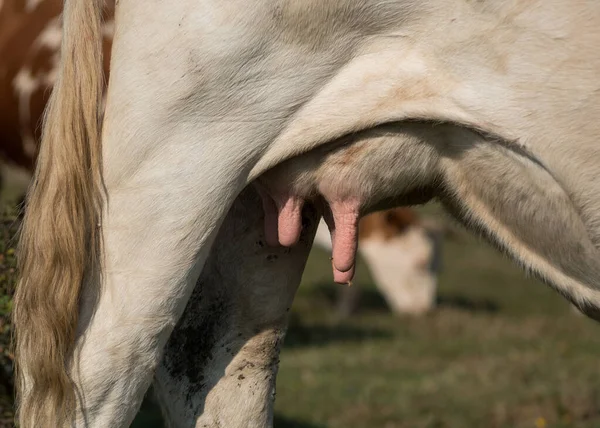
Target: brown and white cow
30, 38
396, 248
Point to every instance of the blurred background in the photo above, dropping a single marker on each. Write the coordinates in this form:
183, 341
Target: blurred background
437, 330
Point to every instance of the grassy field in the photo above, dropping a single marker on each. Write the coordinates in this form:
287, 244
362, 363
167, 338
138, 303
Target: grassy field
501, 351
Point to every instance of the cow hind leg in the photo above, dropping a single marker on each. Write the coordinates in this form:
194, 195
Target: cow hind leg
509, 197
220, 363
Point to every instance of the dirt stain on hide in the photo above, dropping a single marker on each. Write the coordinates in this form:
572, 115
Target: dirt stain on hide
190, 347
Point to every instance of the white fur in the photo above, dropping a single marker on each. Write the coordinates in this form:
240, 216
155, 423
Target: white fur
220, 365
206, 96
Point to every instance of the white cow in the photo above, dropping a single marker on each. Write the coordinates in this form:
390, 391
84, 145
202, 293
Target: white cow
339, 106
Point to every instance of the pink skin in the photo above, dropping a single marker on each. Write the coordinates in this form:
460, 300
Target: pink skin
283, 225
342, 221
283, 217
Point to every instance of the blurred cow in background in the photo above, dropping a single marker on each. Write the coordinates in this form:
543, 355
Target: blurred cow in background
399, 252
403, 255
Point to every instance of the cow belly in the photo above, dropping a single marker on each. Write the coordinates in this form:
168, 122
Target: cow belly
494, 187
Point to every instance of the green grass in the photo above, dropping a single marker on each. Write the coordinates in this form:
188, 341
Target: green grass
13, 183
500, 351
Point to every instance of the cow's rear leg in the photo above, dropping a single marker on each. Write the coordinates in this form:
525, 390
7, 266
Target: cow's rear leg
154, 250
220, 363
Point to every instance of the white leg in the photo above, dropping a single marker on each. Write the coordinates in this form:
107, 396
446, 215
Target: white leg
165, 205
153, 253
220, 363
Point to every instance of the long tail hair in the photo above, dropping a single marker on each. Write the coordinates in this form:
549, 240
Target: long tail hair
59, 241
